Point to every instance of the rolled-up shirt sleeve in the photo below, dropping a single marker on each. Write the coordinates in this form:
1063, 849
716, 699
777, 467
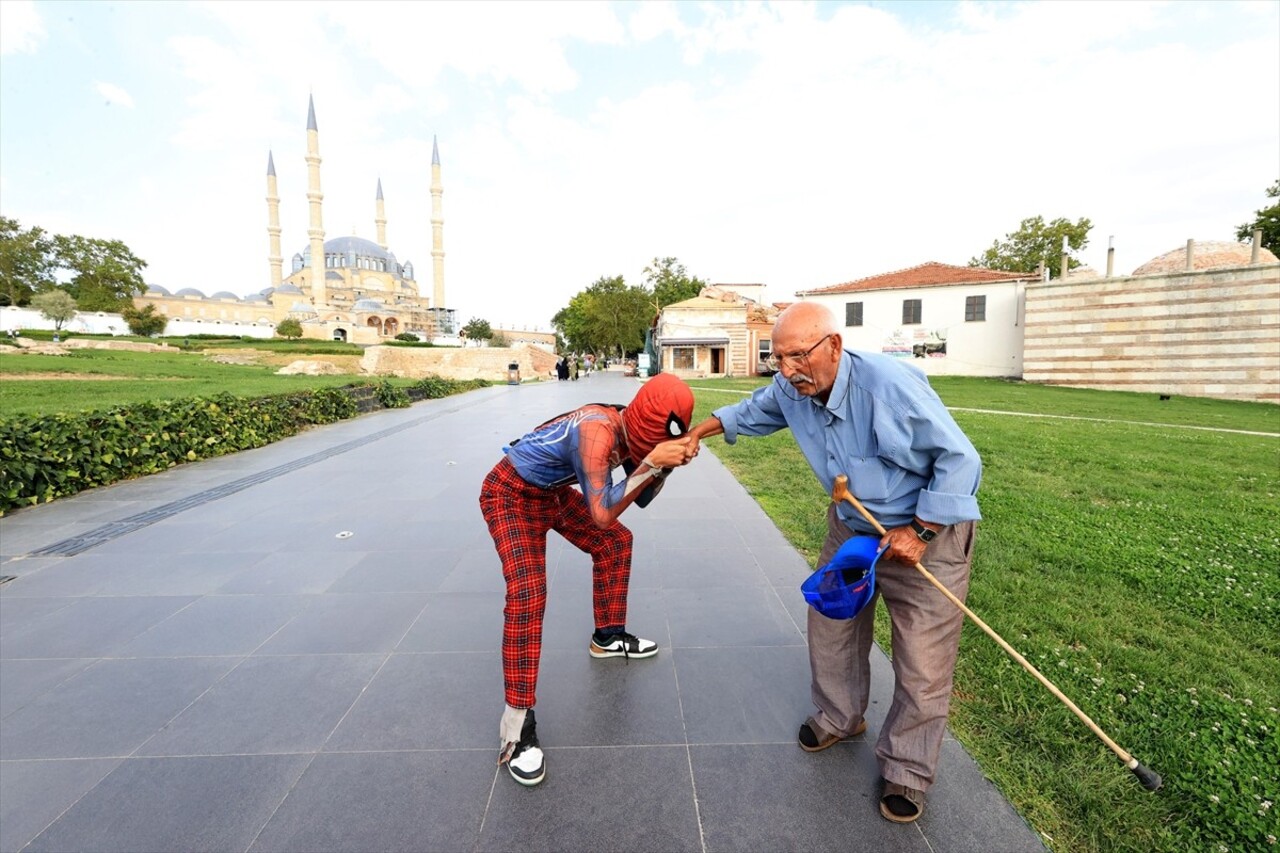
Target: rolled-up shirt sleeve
759, 414
927, 440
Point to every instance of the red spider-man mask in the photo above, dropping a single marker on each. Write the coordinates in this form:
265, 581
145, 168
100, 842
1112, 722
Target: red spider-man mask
660, 412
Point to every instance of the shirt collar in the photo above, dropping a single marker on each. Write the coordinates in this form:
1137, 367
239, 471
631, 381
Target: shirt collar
834, 407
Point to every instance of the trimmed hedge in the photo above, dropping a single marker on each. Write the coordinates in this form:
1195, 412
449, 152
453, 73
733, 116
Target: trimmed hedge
43, 457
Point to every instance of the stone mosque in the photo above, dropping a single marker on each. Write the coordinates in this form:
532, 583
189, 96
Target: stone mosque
345, 289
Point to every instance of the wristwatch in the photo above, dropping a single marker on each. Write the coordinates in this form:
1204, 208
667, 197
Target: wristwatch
924, 533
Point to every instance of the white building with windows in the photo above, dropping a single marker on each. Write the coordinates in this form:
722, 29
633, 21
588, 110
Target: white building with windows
958, 321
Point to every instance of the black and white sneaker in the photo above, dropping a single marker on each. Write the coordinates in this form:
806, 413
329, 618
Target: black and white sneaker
622, 645
527, 764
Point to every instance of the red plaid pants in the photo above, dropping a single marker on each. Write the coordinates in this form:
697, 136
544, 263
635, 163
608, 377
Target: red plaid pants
519, 515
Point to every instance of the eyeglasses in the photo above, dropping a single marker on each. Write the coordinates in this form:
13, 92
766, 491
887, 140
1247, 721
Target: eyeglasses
775, 361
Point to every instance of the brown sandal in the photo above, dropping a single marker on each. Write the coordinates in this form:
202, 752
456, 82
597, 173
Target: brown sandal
901, 804
814, 738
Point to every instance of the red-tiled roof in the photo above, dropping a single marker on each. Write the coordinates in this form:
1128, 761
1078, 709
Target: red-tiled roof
925, 275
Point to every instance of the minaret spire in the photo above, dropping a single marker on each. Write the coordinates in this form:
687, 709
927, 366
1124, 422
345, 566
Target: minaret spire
314, 197
380, 218
274, 259
437, 236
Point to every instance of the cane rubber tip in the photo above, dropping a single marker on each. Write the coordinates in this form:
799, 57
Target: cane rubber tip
1149, 778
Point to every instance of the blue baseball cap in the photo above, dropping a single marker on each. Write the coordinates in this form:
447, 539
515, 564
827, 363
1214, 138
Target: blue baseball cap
841, 588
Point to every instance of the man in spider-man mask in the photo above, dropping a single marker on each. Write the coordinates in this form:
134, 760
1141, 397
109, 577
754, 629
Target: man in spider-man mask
530, 491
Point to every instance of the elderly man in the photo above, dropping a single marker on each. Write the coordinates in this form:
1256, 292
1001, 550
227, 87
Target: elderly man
875, 419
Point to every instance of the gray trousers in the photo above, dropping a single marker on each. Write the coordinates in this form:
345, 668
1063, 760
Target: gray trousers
926, 637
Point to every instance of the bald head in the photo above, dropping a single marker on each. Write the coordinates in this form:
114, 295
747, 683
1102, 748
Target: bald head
805, 321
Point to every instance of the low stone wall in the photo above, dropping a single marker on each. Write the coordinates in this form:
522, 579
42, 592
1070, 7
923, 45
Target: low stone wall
1211, 333
463, 363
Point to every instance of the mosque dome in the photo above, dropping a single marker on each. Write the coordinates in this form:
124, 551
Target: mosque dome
225, 294
1205, 255
363, 248
156, 290
287, 288
256, 297
368, 304
190, 291
301, 308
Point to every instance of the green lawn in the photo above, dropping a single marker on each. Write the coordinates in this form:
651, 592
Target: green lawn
1138, 567
132, 377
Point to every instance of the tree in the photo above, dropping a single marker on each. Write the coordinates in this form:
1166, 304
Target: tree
289, 328
608, 316
1033, 242
105, 275
477, 330
670, 282
56, 305
1267, 219
499, 340
145, 321
26, 262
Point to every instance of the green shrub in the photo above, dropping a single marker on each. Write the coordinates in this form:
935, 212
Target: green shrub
409, 337
392, 396
49, 456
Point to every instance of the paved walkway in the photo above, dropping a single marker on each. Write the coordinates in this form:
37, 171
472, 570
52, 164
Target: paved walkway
296, 648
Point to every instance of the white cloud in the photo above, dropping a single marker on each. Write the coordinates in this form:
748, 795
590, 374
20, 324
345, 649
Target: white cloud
796, 144
113, 94
21, 29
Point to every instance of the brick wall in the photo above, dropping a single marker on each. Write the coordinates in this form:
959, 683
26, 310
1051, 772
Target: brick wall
1208, 333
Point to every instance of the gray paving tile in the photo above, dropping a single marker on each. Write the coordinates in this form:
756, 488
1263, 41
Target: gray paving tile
598, 798
777, 797
175, 535
34, 793
386, 801
23, 681
109, 709
294, 572
709, 568
268, 705
733, 695
83, 574
89, 627
729, 616
457, 622
206, 803
218, 625
427, 701
179, 573
783, 566
478, 570
422, 570
614, 702
19, 614
348, 623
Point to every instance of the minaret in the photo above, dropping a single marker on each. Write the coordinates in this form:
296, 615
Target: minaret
273, 222
314, 197
437, 229
380, 218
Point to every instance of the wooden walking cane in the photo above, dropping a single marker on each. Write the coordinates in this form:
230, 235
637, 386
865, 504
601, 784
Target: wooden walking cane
1148, 777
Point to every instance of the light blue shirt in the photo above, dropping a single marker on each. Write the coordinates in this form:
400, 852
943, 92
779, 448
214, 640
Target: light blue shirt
883, 427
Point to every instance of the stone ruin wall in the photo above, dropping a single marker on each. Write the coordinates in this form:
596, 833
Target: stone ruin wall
459, 363
1209, 333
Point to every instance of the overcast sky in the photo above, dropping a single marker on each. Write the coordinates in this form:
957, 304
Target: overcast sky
797, 144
